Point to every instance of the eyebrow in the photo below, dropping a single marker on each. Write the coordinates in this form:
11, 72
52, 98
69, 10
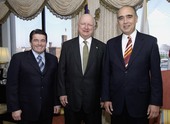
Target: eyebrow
121, 17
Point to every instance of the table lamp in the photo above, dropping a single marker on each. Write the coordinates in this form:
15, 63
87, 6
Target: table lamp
4, 59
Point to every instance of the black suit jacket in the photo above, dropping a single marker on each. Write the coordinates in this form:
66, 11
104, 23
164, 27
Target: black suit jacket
140, 84
30, 90
83, 91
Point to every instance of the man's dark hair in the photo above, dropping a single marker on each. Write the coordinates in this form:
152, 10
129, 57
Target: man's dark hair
37, 31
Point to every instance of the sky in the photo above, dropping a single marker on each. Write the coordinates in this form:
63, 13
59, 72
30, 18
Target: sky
158, 19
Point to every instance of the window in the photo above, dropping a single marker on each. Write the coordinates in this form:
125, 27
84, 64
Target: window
159, 26
55, 28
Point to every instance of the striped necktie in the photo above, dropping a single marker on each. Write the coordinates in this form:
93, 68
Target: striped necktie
85, 55
40, 63
128, 51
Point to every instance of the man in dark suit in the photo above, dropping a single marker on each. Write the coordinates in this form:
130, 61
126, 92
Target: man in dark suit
79, 87
131, 91
31, 90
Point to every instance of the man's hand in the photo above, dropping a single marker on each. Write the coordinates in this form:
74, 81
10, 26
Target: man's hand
102, 104
153, 111
63, 100
57, 109
108, 107
16, 115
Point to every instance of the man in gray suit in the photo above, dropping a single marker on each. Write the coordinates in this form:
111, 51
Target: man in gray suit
31, 90
79, 88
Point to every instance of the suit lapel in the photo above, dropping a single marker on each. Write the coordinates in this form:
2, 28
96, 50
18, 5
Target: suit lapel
92, 53
118, 48
139, 42
76, 52
46, 63
32, 61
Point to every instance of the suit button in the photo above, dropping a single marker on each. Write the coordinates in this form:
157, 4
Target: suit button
125, 72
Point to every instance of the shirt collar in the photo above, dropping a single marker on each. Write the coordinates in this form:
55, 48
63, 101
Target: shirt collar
36, 54
88, 40
133, 35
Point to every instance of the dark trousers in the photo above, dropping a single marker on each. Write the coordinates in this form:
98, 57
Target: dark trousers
125, 118
36, 122
81, 117
42, 120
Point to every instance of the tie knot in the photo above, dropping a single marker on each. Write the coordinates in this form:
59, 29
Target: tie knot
129, 41
85, 42
129, 37
39, 57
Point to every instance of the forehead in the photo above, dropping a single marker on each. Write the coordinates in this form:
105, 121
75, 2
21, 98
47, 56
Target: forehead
86, 19
38, 36
126, 11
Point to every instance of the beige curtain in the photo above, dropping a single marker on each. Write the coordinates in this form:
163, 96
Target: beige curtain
29, 9
102, 10
113, 5
106, 25
66, 8
4, 12
26, 9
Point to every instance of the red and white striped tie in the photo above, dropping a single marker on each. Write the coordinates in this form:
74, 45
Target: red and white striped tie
128, 51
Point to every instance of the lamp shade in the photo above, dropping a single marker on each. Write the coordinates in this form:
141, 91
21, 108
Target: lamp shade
4, 55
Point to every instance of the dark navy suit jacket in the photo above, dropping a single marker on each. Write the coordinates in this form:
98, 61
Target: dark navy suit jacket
30, 90
138, 85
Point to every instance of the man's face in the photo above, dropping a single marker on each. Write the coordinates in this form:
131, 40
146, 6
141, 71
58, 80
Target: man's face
86, 26
38, 43
127, 20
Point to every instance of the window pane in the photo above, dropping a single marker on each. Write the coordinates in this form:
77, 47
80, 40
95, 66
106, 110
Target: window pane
23, 29
56, 27
159, 18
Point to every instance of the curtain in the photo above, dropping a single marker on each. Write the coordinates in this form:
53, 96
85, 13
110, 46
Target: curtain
113, 5
102, 10
29, 9
26, 9
66, 8
4, 12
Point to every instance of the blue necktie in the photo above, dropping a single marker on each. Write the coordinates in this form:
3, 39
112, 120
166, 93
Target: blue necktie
40, 63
